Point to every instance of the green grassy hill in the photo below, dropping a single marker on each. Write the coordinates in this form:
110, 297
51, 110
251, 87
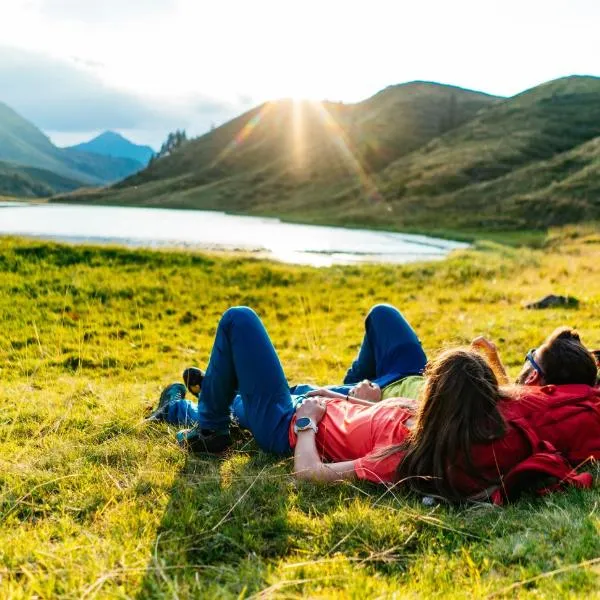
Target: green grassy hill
22, 143
522, 163
284, 156
414, 156
31, 182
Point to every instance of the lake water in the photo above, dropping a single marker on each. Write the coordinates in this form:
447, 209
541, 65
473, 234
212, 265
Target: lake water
154, 227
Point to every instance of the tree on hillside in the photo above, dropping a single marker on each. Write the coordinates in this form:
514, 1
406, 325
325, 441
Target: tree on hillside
174, 140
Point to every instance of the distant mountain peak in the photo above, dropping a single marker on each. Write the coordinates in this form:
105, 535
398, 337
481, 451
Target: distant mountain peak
33, 165
110, 135
112, 143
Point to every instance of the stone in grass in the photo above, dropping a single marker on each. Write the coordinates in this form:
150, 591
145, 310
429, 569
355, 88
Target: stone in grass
552, 301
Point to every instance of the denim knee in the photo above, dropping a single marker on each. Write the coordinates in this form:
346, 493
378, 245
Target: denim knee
239, 314
379, 311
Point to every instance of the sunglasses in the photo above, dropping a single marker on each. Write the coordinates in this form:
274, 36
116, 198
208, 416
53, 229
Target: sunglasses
530, 358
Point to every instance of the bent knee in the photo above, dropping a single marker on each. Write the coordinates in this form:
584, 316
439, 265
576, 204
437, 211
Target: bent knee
239, 314
382, 310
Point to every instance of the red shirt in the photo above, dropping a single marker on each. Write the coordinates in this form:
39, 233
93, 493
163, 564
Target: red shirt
354, 432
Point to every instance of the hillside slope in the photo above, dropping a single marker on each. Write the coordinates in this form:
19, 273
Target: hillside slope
114, 144
22, 143
285, 155
486, 173
30, 182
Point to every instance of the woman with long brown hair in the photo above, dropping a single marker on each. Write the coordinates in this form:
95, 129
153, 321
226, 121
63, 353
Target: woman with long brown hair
474, 439
471, 439
459, 409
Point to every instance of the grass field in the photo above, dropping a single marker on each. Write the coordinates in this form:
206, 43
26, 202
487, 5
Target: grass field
94, 504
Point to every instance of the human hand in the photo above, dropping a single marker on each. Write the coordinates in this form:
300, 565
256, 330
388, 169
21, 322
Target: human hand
314, 408
366, 390
482, 344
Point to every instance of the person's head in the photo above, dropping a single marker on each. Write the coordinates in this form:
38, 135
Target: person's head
458, 409
561, 359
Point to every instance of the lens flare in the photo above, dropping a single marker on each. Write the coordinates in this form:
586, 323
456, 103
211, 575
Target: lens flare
243, 134
332, 128
345, 147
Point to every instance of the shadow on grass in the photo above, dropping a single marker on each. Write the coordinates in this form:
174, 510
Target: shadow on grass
235, 526
225, 520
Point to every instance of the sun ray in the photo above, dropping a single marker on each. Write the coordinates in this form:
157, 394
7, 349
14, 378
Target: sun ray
298, 134
345, 147
298, 124
243, 134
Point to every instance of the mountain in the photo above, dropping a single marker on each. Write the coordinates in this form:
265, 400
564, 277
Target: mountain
414, 156
114, 144
287, 155
22, 143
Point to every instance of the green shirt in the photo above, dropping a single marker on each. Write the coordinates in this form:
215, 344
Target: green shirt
409, 387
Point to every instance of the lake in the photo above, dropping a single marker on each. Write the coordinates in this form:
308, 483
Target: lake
156, 227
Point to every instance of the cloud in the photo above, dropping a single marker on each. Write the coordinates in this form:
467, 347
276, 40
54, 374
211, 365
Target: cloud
102, 11
69, 96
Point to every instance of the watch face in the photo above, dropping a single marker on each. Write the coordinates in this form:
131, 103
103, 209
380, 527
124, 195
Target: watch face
302, 422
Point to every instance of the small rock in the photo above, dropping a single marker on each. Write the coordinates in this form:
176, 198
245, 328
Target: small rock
552, 301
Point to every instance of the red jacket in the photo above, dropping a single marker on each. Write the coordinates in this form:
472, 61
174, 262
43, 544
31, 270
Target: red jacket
550, 430
566, 416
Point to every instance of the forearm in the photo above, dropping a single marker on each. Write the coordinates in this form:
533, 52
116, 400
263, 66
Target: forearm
306, 457
499, 370
308, 465
331, 395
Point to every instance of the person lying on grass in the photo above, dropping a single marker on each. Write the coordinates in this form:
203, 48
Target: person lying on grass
471, 449
389, 364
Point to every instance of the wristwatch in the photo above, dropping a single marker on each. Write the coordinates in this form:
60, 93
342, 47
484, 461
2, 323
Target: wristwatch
305, 423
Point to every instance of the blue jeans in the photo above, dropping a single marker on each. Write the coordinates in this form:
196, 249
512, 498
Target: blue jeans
245, 379
390, 349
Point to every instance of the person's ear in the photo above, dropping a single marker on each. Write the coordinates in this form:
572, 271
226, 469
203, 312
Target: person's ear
533, 378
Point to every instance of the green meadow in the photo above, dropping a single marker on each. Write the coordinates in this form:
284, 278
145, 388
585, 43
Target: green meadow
96, 504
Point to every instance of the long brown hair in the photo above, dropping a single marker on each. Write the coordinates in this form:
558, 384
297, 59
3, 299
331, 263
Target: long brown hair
458, 409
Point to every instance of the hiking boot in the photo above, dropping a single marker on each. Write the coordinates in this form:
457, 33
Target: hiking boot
204, 441
192, 377
175, 391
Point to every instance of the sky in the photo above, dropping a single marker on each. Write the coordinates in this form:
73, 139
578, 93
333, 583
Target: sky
146, 67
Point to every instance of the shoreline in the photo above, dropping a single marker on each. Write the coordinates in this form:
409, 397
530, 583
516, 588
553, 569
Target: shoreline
511, 237
325, 245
